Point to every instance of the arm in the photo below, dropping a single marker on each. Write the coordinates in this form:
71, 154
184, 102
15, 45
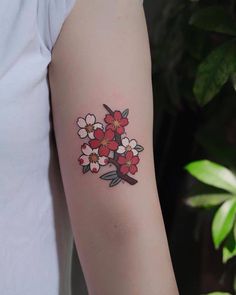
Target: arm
102, 57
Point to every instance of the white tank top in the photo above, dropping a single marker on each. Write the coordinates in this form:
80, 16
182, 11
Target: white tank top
35, 233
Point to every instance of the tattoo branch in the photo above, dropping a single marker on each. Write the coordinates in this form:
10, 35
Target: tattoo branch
108, 144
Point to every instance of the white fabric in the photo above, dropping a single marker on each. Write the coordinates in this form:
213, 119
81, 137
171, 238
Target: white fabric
35, 233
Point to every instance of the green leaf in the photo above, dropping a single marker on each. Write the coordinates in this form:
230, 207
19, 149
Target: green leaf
223, 221
214, 72
229, 249
115, 181
139, 148
208, 200
125, 113
215, 19
218, 293
86, 169
234, 231
213, 174
109, 176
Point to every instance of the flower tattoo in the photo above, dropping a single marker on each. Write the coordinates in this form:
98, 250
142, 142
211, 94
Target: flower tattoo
88, 126
108, 144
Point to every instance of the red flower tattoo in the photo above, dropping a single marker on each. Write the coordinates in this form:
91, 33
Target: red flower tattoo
128, 163
104, 142
116, 122
109, 144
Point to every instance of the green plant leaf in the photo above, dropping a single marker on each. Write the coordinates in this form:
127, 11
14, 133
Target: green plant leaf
234, 231
229, 249
125, 113
215, 19
115, 181
109, 175
86, 169
223, 221
139, 148
208, 200
218, 293
214, 72
213, 174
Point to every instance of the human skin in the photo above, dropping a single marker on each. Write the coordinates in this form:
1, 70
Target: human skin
102, 56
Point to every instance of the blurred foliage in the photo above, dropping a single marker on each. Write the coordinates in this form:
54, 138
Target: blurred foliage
194, 69
224, 219
194, 65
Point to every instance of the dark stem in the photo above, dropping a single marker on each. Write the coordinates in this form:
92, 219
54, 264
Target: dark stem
117, 136
113, 161
125, 177
118, 139
108, 109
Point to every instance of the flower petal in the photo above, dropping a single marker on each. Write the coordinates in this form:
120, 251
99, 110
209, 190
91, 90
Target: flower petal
124, 122
111, 127
94, 167
125, 141
121, 160
109, 119
135, 152
91, 135
90, 119
124, 169
120, 130
97, 125
83, 160
117, 115
103, 160
112, 145
99, 134
133, 143
103, 150
94, 143
109, 134
95, 151
121, 149
133, 169
82, 133
86, 149
135, 160
129, 155
81, 122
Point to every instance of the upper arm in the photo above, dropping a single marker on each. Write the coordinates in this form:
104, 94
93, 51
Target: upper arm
102, 57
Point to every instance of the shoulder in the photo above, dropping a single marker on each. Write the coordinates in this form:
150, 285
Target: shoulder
51, 14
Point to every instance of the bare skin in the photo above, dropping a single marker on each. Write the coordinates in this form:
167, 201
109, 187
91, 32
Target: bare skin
102, 56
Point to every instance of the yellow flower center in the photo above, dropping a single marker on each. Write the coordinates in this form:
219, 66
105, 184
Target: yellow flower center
128, 163
93, 158
104, 141
89, 128
128, 148
116, 123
